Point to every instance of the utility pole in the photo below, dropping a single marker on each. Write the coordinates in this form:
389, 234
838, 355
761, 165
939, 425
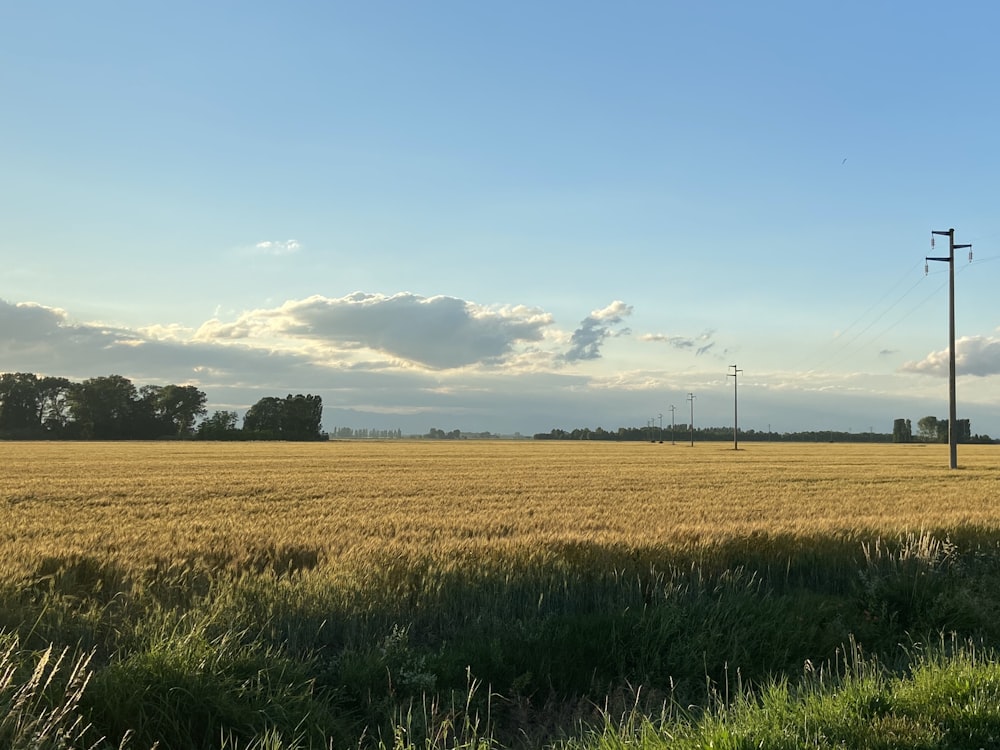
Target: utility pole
691, 426
660, 433
734, 375
672, 410
952, 410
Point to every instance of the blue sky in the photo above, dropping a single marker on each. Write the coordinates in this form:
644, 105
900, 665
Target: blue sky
506, 216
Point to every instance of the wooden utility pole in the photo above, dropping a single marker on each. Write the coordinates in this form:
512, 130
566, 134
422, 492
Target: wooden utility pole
734, 374
952, 409
691, 399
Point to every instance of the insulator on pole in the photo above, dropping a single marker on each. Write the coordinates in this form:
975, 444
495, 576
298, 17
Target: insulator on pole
927, 268
932, 242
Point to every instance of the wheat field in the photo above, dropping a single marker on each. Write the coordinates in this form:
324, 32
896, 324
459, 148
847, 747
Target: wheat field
145, 505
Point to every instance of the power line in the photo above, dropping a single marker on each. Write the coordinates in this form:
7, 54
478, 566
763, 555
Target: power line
818, 357
868, 327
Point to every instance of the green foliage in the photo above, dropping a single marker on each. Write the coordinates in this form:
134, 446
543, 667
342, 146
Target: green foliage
188, 689
297, 652
220, 426
109, 407
902, 431
32, 407
292, 418
951, 699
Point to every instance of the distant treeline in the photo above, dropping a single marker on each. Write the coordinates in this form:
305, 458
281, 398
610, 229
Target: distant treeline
682, 433
113, 408
935, 430
930, 430
365, 433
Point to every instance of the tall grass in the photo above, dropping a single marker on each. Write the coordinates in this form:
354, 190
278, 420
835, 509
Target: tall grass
40, 696
950, 698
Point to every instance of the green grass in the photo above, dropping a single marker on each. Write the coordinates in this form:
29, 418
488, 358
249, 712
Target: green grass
950, 698
730, 651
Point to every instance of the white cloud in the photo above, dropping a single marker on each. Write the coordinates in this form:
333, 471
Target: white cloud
436, 332
169, 332
277, 247
974, 355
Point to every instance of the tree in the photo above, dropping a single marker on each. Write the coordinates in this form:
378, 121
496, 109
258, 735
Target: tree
301, 417
928, 429
53, 404
292, 418
264, 418
963, 430
220, 426
19, 402
901, 431
103, 407
180, 406
147, 421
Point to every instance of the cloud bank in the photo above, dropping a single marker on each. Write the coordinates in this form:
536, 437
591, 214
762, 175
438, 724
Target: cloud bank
411, 362
974, 355
435, 332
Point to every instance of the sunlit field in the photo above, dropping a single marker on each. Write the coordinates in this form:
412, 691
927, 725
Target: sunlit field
144, 504
475, 594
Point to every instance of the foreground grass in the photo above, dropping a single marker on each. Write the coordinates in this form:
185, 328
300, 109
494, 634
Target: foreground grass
949, 699
501, 595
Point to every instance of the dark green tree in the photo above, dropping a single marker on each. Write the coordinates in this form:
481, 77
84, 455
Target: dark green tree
103, 407
147, 421
19, 402
964, 428
927, 429
301, 417
180, 406
901, 431
220, 426
264, 418
53, 404
292, 418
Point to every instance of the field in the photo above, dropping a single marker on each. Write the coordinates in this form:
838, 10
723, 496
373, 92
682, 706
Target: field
143, 504
301, 594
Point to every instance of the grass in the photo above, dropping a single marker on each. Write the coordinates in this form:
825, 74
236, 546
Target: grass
504, 594
949, 699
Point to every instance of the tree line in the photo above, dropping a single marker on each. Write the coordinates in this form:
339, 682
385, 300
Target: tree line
112, 408
932, 429
682, 433
365, 433
929, 430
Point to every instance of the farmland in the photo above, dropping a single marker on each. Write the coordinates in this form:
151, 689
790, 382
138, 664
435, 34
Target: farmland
352, 580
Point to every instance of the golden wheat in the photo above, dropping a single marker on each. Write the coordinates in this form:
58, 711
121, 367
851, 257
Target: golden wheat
141, 505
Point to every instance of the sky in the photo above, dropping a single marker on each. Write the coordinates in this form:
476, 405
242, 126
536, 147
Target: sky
508, 217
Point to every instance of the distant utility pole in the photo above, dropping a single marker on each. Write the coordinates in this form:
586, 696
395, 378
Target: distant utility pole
691, 399
661, 429
734, 375
672, 410
952, 410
